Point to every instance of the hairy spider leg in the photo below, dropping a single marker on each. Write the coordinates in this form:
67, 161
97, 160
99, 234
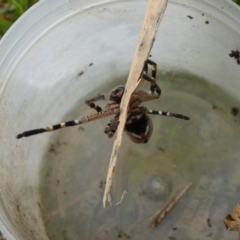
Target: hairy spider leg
145, 110
168, 114
91, 101
109, 106
112, 126
154, 87
71, 123
140, 97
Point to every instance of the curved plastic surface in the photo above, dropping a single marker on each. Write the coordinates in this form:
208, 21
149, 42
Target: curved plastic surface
60, 51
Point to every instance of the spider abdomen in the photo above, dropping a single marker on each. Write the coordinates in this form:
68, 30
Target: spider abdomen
139, 128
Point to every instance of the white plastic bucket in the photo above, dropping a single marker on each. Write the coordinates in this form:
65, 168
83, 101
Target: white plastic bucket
62, 52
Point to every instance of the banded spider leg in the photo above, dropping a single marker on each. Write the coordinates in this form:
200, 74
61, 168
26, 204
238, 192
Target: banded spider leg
110, 109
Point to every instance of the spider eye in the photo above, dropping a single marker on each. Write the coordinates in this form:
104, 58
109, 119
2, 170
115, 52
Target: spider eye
117, 93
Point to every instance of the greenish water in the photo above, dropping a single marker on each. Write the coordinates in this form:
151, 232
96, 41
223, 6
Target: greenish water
204, 151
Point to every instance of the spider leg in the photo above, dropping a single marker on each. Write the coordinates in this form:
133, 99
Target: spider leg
71, 123
154, 87
168, 114
139, 97
154, 68
144, 96
112, 126
109, 106
91, 101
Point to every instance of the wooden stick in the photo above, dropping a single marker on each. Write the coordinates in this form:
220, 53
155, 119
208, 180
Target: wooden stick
159, 216
153, 16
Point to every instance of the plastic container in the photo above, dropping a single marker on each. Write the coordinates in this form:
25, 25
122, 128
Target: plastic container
63, 52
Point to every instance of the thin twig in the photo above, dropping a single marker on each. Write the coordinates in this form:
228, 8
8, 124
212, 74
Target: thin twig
160, 215
125, 192
153, 16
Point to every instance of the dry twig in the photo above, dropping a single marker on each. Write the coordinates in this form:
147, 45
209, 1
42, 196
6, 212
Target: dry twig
153, 16
159, 216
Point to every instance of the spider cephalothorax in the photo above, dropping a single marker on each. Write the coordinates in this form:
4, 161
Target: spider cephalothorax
116, 94
138, 125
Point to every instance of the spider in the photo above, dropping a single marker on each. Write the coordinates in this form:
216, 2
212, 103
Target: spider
138, 126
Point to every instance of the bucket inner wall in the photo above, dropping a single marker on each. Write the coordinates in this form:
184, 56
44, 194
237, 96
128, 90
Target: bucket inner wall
52, 184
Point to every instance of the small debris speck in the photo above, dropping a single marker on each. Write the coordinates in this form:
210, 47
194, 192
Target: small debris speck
234, 111
190, 17
236, 55
80, 73
123, 234
209, 222
102, 184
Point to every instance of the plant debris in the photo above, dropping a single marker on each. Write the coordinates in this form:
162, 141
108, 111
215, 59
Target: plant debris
233, 222
160, 215
236, 55
123, 234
